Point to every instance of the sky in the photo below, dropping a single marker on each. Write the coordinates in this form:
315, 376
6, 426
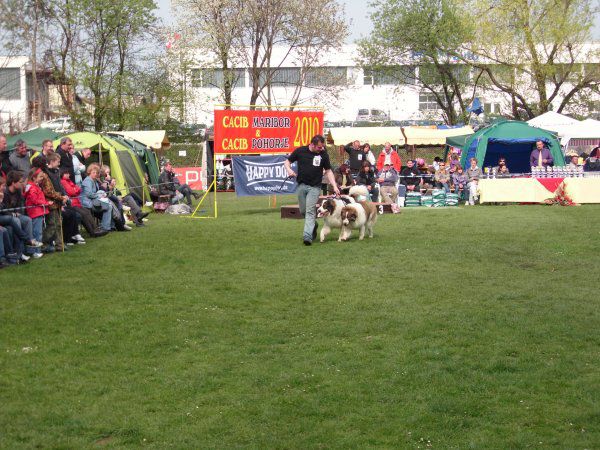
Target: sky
357, 11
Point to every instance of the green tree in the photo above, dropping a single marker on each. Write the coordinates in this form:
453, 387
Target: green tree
414, 42
541, 45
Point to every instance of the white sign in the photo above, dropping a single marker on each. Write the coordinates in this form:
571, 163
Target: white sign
182, 153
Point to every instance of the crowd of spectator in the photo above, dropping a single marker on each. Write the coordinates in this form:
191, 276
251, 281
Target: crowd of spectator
386, 178
48, 198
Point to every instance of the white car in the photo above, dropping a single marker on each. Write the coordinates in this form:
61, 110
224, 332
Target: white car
371, 115
60, 125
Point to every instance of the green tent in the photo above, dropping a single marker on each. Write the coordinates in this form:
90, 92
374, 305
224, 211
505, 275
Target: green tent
511, 139
33, 138
145, 154
123, 162
457, 141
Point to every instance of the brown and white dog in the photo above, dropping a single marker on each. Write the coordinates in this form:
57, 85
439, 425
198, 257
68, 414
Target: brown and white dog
361, 215
331, 210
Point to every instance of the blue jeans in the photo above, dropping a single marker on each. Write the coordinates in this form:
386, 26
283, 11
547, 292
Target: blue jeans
37, 226
308, 196
22, 230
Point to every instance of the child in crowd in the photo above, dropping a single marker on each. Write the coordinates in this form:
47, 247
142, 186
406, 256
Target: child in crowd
459, 181
37, 205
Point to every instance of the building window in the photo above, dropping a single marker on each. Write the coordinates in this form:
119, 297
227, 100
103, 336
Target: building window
326, 76
285, 76
491, 108
390, 76
215, 78
10, 84
427, 102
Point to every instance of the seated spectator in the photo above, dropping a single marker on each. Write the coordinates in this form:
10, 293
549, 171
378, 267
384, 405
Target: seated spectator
459, 181
108, 185
7, 257
436, 164
410, 178
503, 173
389, 156
94, 199
474, 174
592, 162
442, 177
37, 205
169, 185
388, 180
87, 219
343, 179
454, 162
366, 177
79, 168
12, 214
499, 168
19, 158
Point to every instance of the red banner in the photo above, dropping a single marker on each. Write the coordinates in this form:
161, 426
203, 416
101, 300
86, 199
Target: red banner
264, 132
189, 176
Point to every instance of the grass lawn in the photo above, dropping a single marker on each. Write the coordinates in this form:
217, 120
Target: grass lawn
452, 328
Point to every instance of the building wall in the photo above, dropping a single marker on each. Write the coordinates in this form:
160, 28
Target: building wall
13, 104
400, 102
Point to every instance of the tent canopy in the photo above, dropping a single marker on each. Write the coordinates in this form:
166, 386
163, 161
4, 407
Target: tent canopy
33, 138
372, 135
511, 139
552, 121
145, 154
123, 162
155, 139
432, 136
457, 141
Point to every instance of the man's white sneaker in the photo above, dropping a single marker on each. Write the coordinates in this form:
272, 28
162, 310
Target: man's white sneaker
127, 227
25, 257
37, 255
149, 204
78, 238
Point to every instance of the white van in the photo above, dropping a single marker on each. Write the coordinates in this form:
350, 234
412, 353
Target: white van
371, 115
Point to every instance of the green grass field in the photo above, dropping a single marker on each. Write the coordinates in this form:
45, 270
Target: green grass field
451, 328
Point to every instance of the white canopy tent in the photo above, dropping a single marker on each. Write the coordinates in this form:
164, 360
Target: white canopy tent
432, 135
553, 121
372, 135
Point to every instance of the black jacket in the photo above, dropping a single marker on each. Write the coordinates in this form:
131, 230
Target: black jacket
66, 162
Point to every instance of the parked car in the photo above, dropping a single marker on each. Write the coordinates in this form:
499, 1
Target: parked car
371, 115
59, 125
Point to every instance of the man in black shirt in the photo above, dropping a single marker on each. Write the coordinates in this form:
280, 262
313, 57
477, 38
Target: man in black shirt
312, 161
356, 155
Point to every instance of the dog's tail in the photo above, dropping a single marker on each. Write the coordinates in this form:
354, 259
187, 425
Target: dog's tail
359, 193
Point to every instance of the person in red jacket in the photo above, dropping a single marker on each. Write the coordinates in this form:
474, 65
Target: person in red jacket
389, 156
37, 206
73, 192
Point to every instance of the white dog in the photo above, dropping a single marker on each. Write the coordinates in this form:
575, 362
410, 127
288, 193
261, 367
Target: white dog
330, 210
361, 215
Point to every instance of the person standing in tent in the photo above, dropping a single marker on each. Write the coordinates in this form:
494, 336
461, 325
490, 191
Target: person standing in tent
313, 161
541, 156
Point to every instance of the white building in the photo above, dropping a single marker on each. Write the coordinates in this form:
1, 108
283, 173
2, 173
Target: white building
13, 91
338, 84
